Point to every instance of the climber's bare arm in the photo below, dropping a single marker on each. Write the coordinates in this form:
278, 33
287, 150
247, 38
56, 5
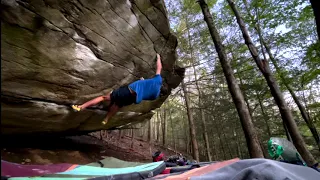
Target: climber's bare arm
159, 65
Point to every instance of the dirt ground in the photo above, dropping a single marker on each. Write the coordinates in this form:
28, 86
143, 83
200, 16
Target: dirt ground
76, 149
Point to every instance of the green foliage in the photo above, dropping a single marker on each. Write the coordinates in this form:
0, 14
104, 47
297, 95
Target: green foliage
312, 61
192, 6
289, 30
315, 105
313, 54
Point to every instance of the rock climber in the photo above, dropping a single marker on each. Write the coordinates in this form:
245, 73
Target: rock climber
143, 89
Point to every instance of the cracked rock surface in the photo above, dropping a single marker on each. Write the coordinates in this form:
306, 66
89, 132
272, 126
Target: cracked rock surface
55, 53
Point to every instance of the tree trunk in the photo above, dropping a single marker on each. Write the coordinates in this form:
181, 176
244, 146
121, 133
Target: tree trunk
237, 96
120, 133
141, 133
251, 111
264, 150
302, 109
119, 137
172, 131
316, 11
227, 143
158, 127
217, 123
212, 140
101, 134
190, 147
132, 137
287, 132
155, 128
264, 115
186, 135
155, 137
192, 129
245, 97
164, 127
205, 135
275, 91
150, 132
202, 117
238, 143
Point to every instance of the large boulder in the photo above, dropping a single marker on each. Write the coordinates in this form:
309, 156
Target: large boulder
55, 53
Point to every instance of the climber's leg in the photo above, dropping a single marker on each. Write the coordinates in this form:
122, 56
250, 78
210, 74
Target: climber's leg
119, 98
92, 102
112, 110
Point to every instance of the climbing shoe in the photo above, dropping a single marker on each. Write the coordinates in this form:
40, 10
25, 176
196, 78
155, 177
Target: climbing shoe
104, 122
76, 107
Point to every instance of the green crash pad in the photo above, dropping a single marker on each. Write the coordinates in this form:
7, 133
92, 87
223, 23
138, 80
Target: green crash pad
110, 162
112, 167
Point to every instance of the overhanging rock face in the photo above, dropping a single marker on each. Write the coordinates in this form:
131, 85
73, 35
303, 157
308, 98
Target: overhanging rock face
55, 53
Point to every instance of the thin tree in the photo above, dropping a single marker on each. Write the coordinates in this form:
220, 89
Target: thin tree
302, 109
239, 152
316, 11
164, 126
275, 91
132, 138
218, 130
172, 131
158, 125
155, 133
287, 132
200, 96
186, 134
297, 101
252, 140
149, 131
192, 129
264, 115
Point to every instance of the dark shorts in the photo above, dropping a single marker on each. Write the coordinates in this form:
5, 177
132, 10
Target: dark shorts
122, 97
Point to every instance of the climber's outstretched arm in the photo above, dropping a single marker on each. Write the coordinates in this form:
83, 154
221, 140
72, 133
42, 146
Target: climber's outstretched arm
159, 65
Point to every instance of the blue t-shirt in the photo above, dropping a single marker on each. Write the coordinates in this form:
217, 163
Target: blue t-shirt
147, 89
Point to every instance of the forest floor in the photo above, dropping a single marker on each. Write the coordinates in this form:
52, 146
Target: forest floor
77, 149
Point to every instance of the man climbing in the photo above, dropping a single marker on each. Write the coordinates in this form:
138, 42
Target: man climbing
143, 89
